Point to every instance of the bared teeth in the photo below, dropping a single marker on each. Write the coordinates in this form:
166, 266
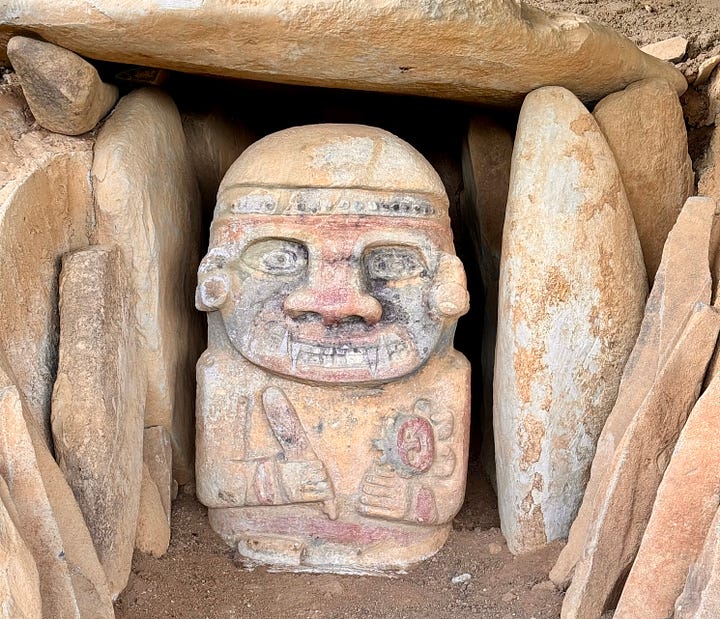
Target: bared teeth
294, 354
371, 357
284, 343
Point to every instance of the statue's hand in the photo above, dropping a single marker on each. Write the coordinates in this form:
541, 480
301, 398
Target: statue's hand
305, 481
383, 493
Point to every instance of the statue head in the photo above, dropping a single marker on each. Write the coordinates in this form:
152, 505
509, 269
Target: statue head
331, 256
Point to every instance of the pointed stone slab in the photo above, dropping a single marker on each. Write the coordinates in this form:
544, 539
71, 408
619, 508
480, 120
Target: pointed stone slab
572, 291
19, 580
64, 92
487, 153
624, 502
149, 205
682, 280
72, 582
700, 598
645, 128
98, 403
501, 49
687, 500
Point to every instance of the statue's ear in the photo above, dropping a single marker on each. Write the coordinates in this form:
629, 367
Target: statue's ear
449, 298
212, 291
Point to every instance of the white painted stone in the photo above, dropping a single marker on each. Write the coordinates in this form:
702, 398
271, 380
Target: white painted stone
572, 291
148, 204
501, 49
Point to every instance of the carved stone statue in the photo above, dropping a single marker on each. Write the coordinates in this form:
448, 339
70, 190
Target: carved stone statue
332, 411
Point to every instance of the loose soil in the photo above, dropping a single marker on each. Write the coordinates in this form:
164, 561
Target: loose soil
199, 578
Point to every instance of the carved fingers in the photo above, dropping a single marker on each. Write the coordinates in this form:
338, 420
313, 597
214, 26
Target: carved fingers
305, 482
383, 494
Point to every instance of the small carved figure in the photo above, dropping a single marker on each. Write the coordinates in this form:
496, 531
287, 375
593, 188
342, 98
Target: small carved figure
333, 412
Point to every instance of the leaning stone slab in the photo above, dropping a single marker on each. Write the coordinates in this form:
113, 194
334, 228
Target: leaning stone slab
45, 211
153, 525
148, 204
64, 92
687, 500
645, 128
501, 49
700, 598
72, 582
682, 281
98, 403
19, 580
572, 290
486, 174
157, 456
623, 503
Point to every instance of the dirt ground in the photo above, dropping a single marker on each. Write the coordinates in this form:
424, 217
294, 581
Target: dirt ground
199, 578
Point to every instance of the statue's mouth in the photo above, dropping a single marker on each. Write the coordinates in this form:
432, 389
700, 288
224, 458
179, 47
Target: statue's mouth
371, 352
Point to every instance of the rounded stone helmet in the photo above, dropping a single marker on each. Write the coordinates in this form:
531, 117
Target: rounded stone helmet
335, 157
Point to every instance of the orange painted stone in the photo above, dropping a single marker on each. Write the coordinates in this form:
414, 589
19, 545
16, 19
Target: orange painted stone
333, 412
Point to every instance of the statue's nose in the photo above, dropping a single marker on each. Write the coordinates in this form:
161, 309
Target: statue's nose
335, 295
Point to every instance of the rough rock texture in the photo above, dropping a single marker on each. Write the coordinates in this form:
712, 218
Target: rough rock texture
572, 290
72, 581
682, 281
153, 525
687, 500
98, 403
45, 211
157, 456
700, 598
671, 50
214, 143
19, 580
486, 174
645, 128
64, 91
459, 49
148, 204
624, 502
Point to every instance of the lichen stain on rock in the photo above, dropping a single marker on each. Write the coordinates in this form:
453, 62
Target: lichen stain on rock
528, 362
531, 432
557, 287
583, 124
531, 517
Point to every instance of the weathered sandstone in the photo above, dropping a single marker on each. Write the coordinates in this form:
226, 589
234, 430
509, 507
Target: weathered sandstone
700, 598
687, 500
624, 501
19, 580
458, 49
682, 281
64, 92
645, 129
561, 344
671, 50
72, 581
98, 403
45, 211
148, 204
153, 525
157, 456
486, 173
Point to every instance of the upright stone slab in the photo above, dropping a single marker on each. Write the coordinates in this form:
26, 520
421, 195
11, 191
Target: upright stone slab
700, 598
501, 49
148, 204
624, 501
645, 128
98, 403
572, 291
19, 580
72, 582
687, 500
45, 211
152, 535
486, 175
157, 456
64, 91
682, 281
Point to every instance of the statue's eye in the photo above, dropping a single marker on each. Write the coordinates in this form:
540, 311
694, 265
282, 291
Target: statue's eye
276, 256
394, 263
